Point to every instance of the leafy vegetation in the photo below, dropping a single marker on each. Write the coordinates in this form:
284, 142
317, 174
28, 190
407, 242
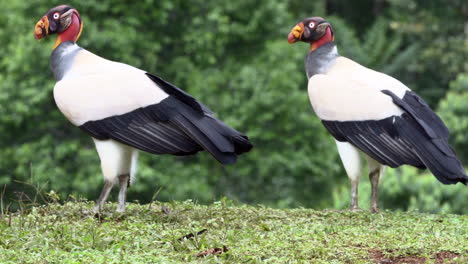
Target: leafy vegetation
234, 57
453, 105
178, 232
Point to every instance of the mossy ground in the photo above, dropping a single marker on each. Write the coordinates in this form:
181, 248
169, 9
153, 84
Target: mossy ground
151, 233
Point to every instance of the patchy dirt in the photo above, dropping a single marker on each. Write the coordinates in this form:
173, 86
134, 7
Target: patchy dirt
212, 251
378, 257
442, 257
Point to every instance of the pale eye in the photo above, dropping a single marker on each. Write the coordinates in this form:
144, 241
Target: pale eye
312, 25
56, 15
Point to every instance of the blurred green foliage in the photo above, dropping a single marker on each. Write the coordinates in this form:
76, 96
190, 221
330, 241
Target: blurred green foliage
453, 106
233, 56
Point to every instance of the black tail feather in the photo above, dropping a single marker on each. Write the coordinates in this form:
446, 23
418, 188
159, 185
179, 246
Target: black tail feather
239, 141
436, 154
429, 137
220, 140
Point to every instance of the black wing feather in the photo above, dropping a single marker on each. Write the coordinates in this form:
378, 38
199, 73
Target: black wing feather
178, 125
180, 94
418, 137
378, 139
415, 106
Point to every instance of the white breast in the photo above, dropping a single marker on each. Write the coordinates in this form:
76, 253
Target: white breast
351, 92
95, 88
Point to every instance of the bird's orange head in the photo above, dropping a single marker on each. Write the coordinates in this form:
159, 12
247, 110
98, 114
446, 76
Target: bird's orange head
62, 20
313, 30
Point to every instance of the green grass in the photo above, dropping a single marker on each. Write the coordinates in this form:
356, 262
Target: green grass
68, 233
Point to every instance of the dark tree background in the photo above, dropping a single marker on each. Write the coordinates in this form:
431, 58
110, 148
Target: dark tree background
234, 57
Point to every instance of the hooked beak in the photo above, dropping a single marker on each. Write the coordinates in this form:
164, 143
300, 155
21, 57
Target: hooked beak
42, 28
296, 33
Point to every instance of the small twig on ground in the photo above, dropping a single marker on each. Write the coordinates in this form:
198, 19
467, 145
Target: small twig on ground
38, 192
191, 235
154, 198
1, 200
165, 210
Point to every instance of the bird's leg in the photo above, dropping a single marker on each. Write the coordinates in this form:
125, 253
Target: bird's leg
354, 196
126, 179
352, 163
115, 163
375, 170
124, 183
104, 194
374, 179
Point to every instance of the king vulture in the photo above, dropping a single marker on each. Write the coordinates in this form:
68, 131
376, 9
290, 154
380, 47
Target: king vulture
125, 109
370, 112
